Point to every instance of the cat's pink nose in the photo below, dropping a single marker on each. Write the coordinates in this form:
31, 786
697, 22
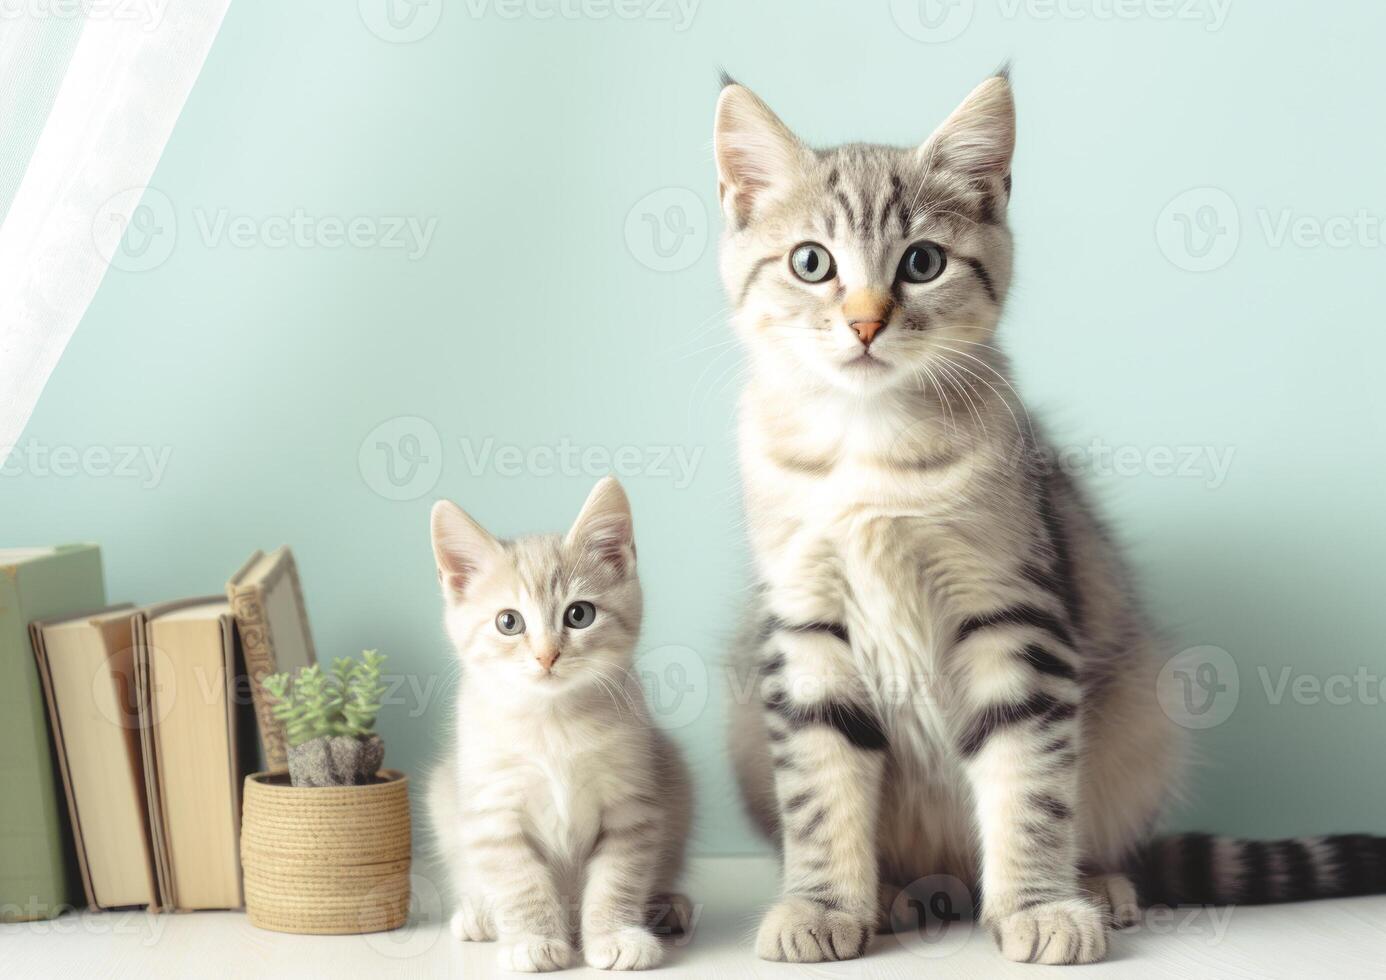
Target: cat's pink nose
866, 312
866, 330
547, 657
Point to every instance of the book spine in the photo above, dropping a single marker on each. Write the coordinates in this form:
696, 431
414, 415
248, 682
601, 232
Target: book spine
38, 867
248, 607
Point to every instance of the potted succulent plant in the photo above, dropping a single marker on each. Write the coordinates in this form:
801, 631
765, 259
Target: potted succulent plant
325, 847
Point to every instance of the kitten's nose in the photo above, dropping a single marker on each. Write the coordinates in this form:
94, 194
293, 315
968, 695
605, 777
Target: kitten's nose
547, 657
866, 312
866, 330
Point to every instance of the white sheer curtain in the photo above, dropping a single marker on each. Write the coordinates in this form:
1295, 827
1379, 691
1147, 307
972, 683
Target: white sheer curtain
89, 93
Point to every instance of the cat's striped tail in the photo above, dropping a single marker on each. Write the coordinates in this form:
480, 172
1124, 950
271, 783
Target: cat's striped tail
1203, 869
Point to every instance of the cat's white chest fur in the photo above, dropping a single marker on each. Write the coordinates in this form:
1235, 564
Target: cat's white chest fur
562, 802
868, 539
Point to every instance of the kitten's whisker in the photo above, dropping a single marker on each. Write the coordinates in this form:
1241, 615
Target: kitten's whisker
946, 366
1029, 427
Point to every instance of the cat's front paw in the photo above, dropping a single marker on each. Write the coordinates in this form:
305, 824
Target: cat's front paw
471, 923
796, 930
1069, 931
630, 948
534, 954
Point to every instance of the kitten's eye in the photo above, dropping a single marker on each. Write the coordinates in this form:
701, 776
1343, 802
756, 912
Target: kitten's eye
812, 262
580, 615
922, 262
510, 622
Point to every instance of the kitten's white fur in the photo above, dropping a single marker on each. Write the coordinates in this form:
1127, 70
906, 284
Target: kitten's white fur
561, 810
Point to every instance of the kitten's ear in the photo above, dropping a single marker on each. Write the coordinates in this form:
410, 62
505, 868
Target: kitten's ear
755, 151
977, 140
604, 526
461, 546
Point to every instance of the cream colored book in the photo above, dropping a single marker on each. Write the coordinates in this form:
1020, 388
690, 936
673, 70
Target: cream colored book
87, 667
190, 665
267, 601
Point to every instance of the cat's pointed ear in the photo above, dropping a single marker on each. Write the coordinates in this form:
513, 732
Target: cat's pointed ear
604, 527
978, 139
461, 547
755, 152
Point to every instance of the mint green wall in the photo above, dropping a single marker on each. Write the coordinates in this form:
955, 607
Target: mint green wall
538, 313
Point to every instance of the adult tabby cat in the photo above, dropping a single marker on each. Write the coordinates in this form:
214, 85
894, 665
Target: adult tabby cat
954, 675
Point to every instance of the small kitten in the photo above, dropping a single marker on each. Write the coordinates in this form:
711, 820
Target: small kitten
561, 808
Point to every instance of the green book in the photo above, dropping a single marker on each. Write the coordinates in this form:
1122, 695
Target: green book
38, 872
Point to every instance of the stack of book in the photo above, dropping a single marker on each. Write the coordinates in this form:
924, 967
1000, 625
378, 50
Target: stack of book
126, 732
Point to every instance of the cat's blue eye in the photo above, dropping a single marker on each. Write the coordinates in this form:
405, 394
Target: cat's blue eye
509, 622
812, 262
580, 615
922, 262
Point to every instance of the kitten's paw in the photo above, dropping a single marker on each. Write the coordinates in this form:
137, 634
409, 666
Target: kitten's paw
796, 930
669, 915
471, 923
630, 948
534, 954
1117, 896
1068, 931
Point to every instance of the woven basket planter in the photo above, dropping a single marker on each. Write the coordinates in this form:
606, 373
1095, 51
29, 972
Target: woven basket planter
326, 860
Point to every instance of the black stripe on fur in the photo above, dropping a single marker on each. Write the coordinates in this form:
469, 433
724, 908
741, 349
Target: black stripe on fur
835, 629
1060, 578
1179, 870
1046, 662
983, 276
1023, 614
999, 716
858, 725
